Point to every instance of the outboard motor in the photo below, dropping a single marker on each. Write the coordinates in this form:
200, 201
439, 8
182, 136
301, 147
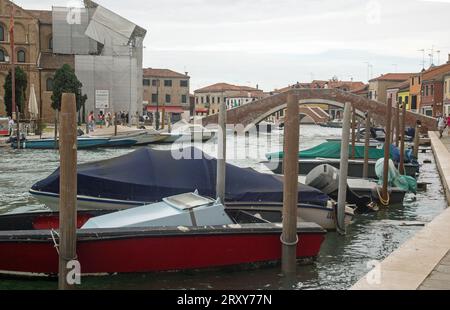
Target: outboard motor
326, 179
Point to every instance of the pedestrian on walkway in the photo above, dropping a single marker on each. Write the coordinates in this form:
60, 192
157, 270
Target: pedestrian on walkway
442, 124
448, 125
10, 126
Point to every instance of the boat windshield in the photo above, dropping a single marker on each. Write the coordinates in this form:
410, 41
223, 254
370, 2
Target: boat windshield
188, 201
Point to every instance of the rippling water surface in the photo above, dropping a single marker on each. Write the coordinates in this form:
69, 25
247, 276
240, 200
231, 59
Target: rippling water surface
342, 261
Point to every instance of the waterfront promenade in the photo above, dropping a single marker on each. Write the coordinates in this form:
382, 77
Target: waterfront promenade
422, 262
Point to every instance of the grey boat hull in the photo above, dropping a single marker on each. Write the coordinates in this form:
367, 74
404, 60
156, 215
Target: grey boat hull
355, 167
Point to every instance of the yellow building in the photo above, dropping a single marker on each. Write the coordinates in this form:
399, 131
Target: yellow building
404, 96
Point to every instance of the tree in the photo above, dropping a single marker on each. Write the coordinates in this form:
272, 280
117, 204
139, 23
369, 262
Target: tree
65, 81
21, 86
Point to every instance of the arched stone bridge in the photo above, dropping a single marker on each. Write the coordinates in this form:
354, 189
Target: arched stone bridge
255, 112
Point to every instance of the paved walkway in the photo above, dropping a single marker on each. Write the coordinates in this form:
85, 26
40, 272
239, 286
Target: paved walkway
439, 278
422, 262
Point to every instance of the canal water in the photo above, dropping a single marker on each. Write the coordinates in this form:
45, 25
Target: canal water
342, 260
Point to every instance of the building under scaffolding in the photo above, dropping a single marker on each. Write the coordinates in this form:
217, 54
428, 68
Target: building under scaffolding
108, 53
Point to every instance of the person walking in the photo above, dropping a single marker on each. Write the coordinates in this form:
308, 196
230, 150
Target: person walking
448, 125
91, 121
442, 123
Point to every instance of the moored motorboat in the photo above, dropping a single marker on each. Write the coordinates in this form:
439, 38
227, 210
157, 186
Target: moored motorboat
141, 136
179, 233
355, 167
82, 143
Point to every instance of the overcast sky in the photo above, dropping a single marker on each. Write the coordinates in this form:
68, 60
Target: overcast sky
274, 43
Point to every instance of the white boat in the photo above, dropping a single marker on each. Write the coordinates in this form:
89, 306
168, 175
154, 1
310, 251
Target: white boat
142, 136
323, 216
188, 133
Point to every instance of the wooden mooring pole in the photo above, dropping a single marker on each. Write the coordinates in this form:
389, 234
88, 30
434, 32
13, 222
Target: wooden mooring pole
68, 189
398, 131
221, 152
343, 171
387, 149
417, 140
18, 127
115, 124
366, 147
401, 168
353, 132
289, 237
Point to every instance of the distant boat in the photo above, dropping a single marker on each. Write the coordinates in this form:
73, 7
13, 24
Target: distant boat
182, 232
141, 136
82, 143
188, 133
147, 176
336, 123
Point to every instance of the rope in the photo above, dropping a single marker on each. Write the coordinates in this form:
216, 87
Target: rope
55, 244
289, 243
384, 202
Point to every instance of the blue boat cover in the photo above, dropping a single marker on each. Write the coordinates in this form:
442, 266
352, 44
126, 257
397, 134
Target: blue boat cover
149, 175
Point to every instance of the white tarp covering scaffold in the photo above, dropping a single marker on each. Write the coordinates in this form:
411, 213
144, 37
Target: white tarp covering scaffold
115, 74
69, 27
111, 30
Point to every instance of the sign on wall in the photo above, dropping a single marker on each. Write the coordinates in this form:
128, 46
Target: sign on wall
101, 99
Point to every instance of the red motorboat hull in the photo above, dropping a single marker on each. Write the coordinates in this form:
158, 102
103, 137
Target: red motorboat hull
27, 245
151, 254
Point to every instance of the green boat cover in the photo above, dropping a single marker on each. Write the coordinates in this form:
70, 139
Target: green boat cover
332, 150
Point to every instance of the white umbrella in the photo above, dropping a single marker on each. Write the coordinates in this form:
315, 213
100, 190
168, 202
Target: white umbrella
32, 104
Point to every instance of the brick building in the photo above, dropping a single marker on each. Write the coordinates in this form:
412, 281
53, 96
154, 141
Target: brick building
164, 87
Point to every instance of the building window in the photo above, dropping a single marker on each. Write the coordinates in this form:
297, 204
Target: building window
2, 56
21, 56
50, 43
426, 90
167, 98
154, 98
183, 99
2, 33
218, 99
213, 99
168, 83
154, 83
432, 90
419, 79
146, 82
196, 100
412, 81
202, 100
49, 84
184, 83
414, 103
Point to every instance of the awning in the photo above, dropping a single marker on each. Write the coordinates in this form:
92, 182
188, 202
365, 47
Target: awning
201, 110
168, 109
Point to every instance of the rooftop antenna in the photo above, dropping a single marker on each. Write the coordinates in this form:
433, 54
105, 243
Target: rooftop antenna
431, 55
423, 57
438, 52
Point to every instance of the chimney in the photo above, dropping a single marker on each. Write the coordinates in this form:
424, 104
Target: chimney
257, 86
448, 59
186, 73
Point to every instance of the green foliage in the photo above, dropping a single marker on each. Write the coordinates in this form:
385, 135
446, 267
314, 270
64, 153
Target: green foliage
21, 86
65, 81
